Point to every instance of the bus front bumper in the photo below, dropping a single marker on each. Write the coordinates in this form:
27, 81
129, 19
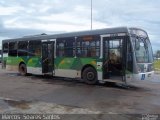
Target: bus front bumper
139, 77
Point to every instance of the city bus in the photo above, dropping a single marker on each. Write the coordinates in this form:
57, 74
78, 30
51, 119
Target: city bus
119, 54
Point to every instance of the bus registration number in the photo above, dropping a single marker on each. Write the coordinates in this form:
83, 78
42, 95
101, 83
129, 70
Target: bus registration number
143, 77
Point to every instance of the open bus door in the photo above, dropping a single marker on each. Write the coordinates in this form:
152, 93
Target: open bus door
48, 57
114, 58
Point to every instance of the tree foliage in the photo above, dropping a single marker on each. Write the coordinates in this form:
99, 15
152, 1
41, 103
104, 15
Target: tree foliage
158, 54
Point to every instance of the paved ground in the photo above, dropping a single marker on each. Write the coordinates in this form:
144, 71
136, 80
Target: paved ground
37, 94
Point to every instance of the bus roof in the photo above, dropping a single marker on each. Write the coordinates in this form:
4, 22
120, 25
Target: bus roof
71, 34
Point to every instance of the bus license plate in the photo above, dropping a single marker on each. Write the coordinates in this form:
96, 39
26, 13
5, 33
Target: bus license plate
143, 77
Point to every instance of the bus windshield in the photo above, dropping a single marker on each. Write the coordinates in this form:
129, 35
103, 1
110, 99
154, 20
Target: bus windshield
143, 49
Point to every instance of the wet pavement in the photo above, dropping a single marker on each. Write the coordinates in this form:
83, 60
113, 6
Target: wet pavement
56, 95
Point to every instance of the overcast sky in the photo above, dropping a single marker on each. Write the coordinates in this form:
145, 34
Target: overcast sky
28, 17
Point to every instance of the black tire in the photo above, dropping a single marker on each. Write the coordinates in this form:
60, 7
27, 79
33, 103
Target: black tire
90, 75
23, 69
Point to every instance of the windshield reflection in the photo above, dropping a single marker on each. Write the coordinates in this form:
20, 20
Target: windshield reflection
143, 50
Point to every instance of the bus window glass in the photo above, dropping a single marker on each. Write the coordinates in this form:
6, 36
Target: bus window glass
129, 57
143, 50
97, 48
86, 49
5, 48
13, 49
60, 49
66, 47
115, 50
69, 47
89, 47
114, 44
34, 48
93, 48
79, 49
22, 48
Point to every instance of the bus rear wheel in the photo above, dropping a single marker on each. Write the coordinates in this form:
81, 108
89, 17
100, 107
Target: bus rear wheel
23, 69
90, 75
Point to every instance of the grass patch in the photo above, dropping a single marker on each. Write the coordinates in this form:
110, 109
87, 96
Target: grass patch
157, 65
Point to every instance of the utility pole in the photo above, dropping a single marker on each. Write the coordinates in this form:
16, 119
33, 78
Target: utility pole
91, 14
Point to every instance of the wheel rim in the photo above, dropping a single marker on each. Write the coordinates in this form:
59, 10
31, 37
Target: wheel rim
90, 76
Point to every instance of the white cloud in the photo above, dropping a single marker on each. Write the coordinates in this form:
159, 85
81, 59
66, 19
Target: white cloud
55, 23
79, 19
9, 10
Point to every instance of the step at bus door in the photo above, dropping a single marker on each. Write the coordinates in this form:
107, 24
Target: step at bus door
114, 58
48, 57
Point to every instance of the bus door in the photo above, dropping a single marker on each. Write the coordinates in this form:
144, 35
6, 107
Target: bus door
47, 57
114, 58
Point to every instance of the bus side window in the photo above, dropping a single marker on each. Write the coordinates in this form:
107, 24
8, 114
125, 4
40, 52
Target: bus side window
13, 49
94, 46
5, 48
70, 47
22, 48
78, 48
38, 52
88, 48
97, 48
66, 47
33, 47
60, 49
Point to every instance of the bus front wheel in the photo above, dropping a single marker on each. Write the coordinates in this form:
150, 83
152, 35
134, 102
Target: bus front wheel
23, 69
90, 75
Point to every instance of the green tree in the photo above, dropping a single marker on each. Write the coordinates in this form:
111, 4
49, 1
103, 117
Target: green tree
158, 54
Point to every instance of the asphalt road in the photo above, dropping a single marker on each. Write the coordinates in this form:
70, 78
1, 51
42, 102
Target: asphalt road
18, 93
